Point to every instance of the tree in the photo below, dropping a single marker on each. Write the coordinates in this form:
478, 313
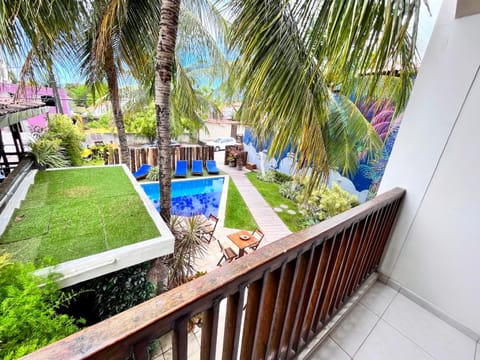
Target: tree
163, 75
302, 61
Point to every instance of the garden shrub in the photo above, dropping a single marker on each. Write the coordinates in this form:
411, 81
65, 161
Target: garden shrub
29, 317
113, 293
269, 176
48, 153
324, 203
281, 178
291, 189
61, 127
153, 173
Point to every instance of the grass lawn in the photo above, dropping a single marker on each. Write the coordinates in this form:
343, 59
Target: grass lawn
237, 215
69, 214
270, 193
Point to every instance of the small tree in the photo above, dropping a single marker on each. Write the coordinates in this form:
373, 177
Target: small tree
61, 127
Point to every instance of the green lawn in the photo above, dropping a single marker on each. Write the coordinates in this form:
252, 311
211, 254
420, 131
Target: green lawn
237, 215
270, 193
69, 214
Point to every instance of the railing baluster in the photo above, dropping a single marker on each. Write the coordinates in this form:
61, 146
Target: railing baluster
180, 339
251, 316
385, 212
302, 308
209, 333
284, 282
293, 299
233, 320
265, 316
140, 351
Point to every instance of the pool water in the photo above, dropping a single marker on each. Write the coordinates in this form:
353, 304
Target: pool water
190, 197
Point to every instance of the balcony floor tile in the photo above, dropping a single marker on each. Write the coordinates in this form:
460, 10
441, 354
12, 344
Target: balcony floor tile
330, 351
385, 342
438, 338
378, 298
354, 329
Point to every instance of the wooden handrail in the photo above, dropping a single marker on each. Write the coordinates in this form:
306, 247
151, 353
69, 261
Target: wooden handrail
283, 294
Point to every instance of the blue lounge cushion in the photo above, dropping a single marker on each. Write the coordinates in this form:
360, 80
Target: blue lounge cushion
212, 167
142, 172
197, 167
181, 168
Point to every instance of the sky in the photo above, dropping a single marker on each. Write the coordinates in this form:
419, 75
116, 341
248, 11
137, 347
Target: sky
426, 24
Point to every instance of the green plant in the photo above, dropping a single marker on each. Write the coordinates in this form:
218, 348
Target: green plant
188, 247
230, 158
325, 202
291, 189
61, 127
113, 293
48, 153
29, 317
281, 178
269, 176
153, 173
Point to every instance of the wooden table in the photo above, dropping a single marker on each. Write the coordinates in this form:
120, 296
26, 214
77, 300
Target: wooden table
242, 244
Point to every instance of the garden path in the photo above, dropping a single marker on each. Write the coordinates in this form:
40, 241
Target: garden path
266, 218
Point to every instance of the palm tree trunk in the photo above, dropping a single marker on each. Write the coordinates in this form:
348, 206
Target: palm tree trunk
56, 95
163, 76
112, 81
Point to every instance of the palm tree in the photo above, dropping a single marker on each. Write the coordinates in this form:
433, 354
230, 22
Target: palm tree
117, 37
302, 61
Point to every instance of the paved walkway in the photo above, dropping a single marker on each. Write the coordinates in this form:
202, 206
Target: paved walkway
266, 218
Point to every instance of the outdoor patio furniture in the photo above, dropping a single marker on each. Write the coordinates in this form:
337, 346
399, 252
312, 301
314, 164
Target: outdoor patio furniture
197, 167
242, 239
181, 168
228, 253
258, 235
209, 228
212, 167
142, 172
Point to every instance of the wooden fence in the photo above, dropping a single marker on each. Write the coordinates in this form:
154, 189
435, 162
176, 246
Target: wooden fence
149, 155
277, 299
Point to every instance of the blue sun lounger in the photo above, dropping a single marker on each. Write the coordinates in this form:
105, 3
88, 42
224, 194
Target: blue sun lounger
212, 167
142, 172
181, 168
197, 167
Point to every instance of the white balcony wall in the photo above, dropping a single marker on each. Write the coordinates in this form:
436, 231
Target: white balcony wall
434, 251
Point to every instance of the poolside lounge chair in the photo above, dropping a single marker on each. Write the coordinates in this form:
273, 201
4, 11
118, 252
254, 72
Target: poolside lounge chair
181, 168
212, 167
197, 167
142, 172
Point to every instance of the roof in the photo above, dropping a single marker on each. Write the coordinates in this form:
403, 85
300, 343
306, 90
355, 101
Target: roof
12, 112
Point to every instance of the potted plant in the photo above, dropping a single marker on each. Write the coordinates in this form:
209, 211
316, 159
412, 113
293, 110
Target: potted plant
239, 164
231, 160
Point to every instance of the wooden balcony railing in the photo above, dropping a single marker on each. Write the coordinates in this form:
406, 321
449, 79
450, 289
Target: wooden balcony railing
277, 298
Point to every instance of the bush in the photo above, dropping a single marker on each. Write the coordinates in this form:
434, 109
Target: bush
153, 174
324, 203
61, 127
48, 153
28, 318
113, 293
269, 176
281, 178
291, 190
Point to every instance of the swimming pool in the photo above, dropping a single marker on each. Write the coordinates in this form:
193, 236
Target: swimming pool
190, 197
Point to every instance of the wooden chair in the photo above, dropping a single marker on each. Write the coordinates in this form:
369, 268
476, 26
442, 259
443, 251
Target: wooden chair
227, 253
259, 235
209, 228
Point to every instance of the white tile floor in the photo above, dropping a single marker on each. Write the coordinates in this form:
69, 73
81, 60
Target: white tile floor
387, 325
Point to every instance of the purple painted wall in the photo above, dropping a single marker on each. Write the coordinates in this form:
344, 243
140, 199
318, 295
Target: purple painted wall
34, 94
